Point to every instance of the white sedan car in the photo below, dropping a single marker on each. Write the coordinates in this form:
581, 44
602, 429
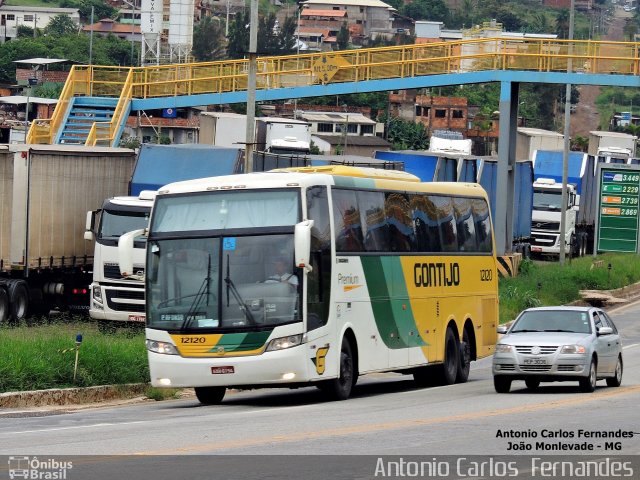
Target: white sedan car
553, 344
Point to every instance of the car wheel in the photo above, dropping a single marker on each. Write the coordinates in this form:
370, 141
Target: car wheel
502, 384
449, 367
210, 395
532, 384
588, 383
464, 359
616, 380
340, 388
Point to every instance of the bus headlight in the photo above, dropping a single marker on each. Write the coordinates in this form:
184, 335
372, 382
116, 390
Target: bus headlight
284, 342
162, 347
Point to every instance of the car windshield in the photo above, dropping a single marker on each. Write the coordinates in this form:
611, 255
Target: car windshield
571, 321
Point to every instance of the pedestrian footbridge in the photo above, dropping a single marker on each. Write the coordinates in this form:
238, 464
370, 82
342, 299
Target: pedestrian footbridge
97, 100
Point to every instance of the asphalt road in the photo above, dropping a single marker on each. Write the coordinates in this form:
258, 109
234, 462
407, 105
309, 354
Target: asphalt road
386, 416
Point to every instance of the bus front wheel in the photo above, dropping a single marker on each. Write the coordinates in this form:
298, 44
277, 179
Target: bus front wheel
340, 388
210, 395
449, 367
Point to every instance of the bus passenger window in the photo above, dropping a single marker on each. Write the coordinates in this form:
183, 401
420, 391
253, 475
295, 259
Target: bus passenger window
346, 215
465, 226
482, 221
398, 213
425, 224
374, 225
446, 223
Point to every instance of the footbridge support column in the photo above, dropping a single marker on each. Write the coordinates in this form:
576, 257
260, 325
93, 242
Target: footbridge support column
503, 223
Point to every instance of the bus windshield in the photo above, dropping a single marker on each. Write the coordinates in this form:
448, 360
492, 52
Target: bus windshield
226, 283
223, 261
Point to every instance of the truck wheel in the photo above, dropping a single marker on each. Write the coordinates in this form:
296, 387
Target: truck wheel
4, 306
18, 301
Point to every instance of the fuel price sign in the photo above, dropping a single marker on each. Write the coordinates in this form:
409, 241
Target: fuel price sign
617, 229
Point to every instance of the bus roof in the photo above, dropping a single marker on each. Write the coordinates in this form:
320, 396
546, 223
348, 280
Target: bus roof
348, 171
329, 175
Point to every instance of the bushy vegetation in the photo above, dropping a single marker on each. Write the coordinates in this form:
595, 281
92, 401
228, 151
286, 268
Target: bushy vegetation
551, 284
43, 355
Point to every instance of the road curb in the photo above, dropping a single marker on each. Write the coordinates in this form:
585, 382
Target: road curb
71, 396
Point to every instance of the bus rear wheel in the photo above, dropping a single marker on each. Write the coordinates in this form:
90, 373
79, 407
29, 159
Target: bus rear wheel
449, 367
464, 360
340, 388
210, 395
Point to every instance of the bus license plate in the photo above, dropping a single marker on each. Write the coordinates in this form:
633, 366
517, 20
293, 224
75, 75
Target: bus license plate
221, 370
137, 318
535, 361
536, 249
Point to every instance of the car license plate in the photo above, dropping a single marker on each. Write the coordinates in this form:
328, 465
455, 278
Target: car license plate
222, 370
137, 318
535, 361
536, 249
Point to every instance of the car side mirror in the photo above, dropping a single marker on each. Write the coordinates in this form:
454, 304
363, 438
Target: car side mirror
502, 329
605, 331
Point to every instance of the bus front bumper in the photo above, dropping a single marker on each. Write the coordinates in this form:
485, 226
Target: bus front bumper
283, 367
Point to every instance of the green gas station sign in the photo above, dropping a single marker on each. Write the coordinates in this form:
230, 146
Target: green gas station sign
618, 204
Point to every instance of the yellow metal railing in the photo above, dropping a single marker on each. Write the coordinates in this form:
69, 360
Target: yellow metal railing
542, 55
105, 132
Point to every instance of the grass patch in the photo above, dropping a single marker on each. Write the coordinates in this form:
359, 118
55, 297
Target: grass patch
552, 284
42, 356
159, 394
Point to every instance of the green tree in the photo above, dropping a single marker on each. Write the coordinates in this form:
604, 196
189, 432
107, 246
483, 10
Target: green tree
343, 37
25, 31
208, 41
287, 41
101, 9
267, 35
435, 10
61, 25
562, 23
238, 41
406, 135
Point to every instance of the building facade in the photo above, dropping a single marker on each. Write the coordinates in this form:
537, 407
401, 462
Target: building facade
11, 18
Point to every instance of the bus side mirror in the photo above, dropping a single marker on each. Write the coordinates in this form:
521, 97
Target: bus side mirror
302, 239
90, 222
125, 251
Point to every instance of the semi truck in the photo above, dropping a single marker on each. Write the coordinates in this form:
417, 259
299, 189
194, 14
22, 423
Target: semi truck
272, 134
45, 192
616, 147
117, 298
581, 207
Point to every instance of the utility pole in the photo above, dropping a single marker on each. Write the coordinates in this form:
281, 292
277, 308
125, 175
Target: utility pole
567, 142
251, 87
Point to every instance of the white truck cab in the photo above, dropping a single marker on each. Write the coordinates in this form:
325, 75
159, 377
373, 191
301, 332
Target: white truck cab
546, 216
115, 297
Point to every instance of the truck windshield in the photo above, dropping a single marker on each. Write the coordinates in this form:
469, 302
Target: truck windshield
222, 283
113, 223
547, 200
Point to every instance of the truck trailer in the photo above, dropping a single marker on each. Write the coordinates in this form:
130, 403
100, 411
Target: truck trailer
45, 192
581, 207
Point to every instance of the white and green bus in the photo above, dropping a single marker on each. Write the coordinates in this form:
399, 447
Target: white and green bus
314, 276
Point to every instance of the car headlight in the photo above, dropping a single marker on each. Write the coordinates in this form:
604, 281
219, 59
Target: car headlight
503, 348
573, 349
97, 293
162, 347
284, 342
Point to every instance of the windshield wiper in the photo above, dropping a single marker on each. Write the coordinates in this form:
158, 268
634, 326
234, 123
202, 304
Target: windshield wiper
232, 288
559, 330
203, 293
524, 331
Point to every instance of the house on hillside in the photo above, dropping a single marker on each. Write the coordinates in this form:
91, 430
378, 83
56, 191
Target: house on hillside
13, 17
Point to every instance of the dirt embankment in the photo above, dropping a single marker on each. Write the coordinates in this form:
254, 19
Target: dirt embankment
586, 116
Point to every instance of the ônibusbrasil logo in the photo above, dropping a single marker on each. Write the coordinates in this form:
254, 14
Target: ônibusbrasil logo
38, 469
